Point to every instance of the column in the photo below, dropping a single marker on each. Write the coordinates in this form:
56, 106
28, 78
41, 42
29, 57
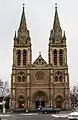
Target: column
57, 57
21, 58
51, 59
28, 56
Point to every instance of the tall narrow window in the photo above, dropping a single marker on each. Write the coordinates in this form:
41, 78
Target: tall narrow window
23, 78
19, 78
61, 57
24, 57
55, 57
60, 78
56, 78
18, 57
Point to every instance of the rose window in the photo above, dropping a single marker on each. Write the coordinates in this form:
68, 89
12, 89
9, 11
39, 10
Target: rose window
39, 76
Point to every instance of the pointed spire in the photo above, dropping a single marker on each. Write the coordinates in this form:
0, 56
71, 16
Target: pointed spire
23, 26
56, 19
64, 36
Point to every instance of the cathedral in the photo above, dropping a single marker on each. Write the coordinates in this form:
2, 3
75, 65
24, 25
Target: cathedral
40, 84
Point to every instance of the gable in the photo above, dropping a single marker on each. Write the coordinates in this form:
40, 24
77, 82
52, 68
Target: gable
40, 61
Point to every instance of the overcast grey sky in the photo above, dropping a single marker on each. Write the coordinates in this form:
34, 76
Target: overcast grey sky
39, 16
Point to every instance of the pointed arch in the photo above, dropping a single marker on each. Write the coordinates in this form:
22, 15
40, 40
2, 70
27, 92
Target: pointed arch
61, 57
58, 77
59, 101
55, 56
24, 57
40, 95
18, 57
21, 101
21, 76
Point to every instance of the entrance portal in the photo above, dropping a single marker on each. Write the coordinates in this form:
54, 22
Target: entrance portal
37, 104
59, 101
40, 99
40, 104
21, 104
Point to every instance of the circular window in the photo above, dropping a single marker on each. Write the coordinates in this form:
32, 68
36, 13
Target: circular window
39, 76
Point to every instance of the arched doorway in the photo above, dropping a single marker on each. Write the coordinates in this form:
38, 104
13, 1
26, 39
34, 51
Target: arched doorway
40, 99
59, 101
21, 102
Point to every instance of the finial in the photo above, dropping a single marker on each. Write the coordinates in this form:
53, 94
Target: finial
64, 36
64, 33
55, 5
23, 6
39, 53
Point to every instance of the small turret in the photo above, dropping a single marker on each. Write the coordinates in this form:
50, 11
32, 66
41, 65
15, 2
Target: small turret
64, 38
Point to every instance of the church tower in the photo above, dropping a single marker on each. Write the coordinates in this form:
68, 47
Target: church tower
57, 55
22, 58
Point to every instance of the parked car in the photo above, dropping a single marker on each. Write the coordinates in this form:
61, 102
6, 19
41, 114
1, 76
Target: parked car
73, 115
49, 110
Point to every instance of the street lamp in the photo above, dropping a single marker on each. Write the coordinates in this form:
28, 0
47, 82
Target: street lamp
4, 106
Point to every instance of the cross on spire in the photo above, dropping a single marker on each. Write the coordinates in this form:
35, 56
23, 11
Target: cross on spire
39, 53
23, 5
55, 5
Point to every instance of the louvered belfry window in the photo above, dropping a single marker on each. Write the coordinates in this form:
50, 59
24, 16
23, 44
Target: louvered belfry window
55, 57
24, 57
18, 57
61, 57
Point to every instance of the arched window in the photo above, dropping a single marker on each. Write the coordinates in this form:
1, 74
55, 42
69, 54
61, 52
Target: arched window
18, 57
23, 78
61, 57
19, 78
24, 57
55, 57
56, 78
60, 78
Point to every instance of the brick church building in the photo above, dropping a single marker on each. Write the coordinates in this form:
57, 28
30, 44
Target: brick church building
39, 84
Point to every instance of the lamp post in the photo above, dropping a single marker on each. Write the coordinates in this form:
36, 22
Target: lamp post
28, 103
4, 106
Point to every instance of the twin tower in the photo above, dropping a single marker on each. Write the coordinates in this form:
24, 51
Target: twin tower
39, 84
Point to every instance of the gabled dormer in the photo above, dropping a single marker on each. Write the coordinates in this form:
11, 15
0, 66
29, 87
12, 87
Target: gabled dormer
39, 62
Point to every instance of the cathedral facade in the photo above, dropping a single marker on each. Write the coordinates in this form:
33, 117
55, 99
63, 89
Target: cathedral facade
39, 84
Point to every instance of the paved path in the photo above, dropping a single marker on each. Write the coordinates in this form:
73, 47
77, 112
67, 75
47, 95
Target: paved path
60, 115
34, 116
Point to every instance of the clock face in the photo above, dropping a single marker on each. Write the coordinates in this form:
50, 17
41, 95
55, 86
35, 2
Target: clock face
39, 76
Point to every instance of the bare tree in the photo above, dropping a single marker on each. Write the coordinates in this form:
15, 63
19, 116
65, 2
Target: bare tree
4, 88
74, 96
